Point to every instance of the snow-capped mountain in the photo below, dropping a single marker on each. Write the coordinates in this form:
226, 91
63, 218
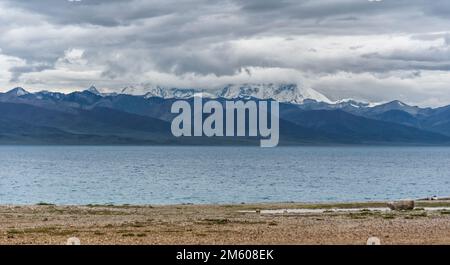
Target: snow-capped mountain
172, 92
49, 95
94, 90
351, 102
18, 91
14, 94
92, 117
148, 90
289, 93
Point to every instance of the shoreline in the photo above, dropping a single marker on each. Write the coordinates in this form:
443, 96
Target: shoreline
261, 223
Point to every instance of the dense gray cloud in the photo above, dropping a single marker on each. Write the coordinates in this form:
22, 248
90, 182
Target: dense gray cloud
369, 50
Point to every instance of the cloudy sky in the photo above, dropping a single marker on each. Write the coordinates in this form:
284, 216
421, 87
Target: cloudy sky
373, 50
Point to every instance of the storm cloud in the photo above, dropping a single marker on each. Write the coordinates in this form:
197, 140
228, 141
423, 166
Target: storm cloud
362, 49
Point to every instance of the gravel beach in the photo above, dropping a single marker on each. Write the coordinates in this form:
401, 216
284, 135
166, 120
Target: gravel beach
279, 223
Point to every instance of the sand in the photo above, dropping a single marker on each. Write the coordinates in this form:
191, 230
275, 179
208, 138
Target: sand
282, 223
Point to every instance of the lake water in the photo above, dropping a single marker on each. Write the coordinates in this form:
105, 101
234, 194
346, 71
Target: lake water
172, 175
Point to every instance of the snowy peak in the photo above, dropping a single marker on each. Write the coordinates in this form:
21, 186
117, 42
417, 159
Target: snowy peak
149, 91
289, 93
18, 91
94, 90
348, 102
398, 105
139, 90
45, 94
172, 93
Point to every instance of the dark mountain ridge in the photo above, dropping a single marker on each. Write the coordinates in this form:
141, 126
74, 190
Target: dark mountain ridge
89, 117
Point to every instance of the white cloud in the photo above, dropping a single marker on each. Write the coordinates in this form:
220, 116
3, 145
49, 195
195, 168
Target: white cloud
351, 48
6, 63
427, 89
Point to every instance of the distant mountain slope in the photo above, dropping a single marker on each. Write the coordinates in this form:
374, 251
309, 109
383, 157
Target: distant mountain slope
438, 121
107, 125
27, 124
398, 116
344, 126
21, 133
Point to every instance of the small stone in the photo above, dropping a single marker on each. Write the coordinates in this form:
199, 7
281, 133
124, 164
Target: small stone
401, 205
373, 241
73, 241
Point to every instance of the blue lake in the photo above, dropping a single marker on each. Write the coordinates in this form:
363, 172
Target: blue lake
172, 175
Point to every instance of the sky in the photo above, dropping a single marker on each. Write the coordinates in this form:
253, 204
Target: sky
370, 50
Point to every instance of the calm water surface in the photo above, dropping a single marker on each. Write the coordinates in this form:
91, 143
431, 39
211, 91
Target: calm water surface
169, 175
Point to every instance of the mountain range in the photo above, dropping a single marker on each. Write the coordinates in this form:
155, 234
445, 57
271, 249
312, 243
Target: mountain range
141, 115
289, 93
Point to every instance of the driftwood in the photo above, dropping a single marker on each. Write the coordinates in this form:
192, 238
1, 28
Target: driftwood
401, 205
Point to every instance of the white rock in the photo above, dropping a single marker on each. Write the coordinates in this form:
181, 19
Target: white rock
73, 241
373, 241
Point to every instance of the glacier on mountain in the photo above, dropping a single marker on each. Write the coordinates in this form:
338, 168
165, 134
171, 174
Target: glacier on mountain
286, 93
